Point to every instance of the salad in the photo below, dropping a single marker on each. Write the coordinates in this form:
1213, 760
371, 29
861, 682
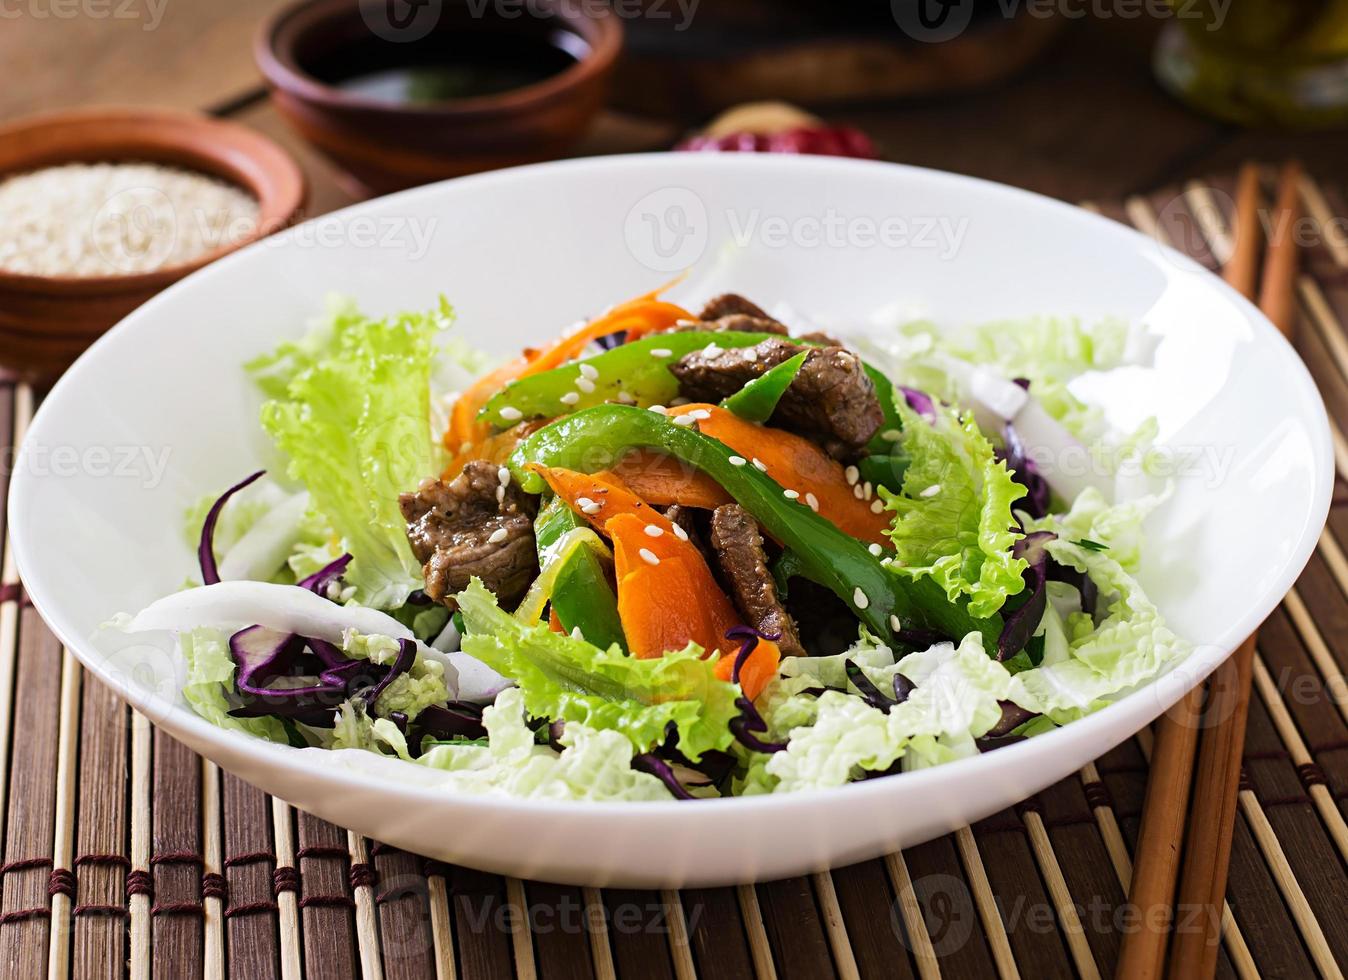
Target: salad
673, 554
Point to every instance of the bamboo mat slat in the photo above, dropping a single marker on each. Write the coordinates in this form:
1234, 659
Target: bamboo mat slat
125, 855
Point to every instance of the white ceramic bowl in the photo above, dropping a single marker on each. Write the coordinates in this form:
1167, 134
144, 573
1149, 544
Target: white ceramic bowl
158, 411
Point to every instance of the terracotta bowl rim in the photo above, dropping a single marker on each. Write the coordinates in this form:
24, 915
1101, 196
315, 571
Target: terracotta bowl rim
279, 200
600, 27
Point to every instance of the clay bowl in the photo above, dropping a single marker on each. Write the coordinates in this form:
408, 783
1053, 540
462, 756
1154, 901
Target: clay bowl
48, 321
385, 145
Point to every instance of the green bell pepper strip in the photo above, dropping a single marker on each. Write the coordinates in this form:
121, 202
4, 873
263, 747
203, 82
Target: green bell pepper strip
757, 400
639, 369
597, 437
883, 470
581, 596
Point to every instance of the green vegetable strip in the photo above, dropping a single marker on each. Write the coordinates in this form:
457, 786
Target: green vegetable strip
884, 471
640, 369
757, 400
582, 596
595, 438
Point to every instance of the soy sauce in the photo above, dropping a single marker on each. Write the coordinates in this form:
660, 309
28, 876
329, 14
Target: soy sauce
448, 65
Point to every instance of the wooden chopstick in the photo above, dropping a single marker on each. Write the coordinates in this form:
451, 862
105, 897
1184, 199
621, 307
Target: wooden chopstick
1212, 818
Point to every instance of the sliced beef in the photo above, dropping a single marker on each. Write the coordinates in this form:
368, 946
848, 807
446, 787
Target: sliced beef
739, 552
729, 304
456, 532
831, 400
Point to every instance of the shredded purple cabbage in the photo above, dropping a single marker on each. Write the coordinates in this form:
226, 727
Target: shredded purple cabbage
652, 764
871, 694
920, 402
1013, 716
749, 724
210, 574
448, 721
1023, 471
1018, 627
325, 576
612, 340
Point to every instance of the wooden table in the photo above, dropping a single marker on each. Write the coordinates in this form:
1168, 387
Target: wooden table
121, 845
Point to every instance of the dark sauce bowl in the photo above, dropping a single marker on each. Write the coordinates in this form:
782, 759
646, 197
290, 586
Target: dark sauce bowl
400, 94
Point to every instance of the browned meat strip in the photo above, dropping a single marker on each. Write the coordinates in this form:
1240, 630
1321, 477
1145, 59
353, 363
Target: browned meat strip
739, 551
729, 304
472, 526
831, 400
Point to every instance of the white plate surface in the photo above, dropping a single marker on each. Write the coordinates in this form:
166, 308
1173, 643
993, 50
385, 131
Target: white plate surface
159, 411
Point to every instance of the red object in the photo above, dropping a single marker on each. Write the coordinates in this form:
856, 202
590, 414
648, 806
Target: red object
833, 141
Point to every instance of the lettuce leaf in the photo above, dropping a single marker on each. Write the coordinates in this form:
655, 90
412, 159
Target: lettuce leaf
1086, 664
567, 679
1117, 527
953, 519
351, 410
209, 687
1047, 351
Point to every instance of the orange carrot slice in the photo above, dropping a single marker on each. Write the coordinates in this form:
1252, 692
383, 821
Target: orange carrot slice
663, 480
638, 316
599, 497
798, 464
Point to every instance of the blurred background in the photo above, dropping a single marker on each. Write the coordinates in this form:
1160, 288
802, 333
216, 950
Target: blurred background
1074, 98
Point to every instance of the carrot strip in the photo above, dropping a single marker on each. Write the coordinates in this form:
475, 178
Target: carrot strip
643, 314
798, 464
600, 497
758, 670
663, 480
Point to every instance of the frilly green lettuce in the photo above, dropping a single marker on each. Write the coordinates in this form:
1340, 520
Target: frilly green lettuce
351, 409
567, 679
953, 519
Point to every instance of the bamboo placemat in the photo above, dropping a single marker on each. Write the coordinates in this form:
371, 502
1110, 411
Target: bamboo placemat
124, 853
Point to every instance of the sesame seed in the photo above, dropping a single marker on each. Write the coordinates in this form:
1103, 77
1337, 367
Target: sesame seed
589, 371
813, 501
856, 490
583, 502
750, 354
626, 398
503, 476
877, 506
859, 599
500, 495
759, 465
685, 322
701, 414
657, 409
576, 634
570, 398
511, 414
737, 461
876, 550
680, 533
585, 385
853, 475
654, 530
648, 556
791, 494
870, 490
712, 349
891, 435
684, 420
497, 536
662, 352
894, 623
931, 491
593, 508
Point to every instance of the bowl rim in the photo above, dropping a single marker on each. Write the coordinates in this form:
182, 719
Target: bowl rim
1162, 691
280, 199
278, 65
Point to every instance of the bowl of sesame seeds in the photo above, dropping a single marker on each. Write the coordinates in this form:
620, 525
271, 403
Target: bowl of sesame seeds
102, 208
